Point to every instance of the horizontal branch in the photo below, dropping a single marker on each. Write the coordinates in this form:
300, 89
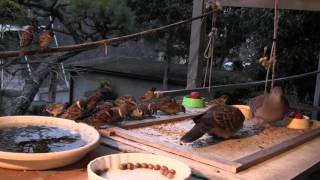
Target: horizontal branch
91, 45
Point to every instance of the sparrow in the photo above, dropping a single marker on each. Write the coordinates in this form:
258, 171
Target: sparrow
101, 117
150, 94
26, 38
265, 62
171, 107
75, 111
219, 101
121, 112
220, 120
128, 100
271, 107
45, 39
94, 99
56, 109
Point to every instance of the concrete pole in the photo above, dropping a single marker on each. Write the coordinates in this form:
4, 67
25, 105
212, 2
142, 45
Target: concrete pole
316, 99
196, 47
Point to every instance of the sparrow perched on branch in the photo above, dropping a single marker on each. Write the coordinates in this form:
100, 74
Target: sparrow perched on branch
265, 62
26, 39
46, 39
220, 120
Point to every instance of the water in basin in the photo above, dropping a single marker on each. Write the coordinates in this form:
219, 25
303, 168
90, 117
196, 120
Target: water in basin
39, 139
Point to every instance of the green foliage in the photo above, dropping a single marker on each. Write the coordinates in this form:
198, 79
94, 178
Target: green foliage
10, 11
112, 16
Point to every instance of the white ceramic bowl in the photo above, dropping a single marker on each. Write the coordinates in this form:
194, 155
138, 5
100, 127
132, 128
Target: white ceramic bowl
112, 162
42, 161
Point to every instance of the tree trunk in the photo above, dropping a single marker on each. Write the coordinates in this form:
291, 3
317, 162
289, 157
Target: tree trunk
30, 89
33, 83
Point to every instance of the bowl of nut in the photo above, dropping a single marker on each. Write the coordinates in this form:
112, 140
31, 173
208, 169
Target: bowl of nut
132, 166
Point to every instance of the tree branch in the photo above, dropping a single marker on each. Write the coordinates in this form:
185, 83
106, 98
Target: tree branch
91, 45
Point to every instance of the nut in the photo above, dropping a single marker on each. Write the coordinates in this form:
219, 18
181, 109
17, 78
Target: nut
123, 166
150, 166
170, 175
144, 165
157, 167
130, 166
172, 171
137, 165
164, 172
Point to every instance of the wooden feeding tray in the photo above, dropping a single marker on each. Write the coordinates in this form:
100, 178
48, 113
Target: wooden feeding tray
248, 147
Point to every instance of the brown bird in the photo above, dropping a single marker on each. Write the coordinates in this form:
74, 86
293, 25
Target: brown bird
150, 94
26, 39
45, 39
128, 100
56, 109
104, 104
101, 117
137, 113
171, 107
219, 101
220, 120
94, 99
271, 107
75, 111
121, 112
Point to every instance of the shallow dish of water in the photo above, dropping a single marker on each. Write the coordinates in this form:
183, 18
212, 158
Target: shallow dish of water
39, 143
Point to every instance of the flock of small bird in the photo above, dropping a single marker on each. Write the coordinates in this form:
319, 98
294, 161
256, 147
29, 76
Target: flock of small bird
45, 38
97, 111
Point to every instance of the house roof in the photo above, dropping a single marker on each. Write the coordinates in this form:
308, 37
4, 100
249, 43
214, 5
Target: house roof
147, 69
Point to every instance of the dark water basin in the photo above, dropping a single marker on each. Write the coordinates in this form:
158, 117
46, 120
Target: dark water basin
39, 139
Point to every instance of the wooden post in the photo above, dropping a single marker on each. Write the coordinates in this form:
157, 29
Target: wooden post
196, 47
316, 99
71, 89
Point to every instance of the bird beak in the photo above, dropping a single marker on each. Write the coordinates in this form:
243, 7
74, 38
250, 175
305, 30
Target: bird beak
183, 109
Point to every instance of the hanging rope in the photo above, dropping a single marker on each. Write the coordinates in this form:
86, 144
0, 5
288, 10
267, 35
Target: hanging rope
273, 58
208, 53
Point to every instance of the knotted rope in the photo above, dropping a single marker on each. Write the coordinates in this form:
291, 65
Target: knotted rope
273, 54
208, 53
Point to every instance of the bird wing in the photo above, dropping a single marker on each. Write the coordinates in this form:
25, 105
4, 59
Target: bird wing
26, 39
195, 133
227, 118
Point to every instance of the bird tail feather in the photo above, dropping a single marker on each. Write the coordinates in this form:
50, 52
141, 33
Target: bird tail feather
195, 133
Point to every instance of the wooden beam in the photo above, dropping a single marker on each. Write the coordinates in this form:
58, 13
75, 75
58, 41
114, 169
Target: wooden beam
308, 5
316, 99
196, 47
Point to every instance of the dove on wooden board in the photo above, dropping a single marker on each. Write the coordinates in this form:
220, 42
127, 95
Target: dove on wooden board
220, 120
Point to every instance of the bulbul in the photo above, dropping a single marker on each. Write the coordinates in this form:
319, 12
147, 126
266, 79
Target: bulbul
220, 120
46, 39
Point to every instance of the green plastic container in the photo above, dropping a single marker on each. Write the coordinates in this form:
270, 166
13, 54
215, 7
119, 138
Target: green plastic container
194, 103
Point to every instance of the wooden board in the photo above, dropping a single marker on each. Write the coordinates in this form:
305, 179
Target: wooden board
185, 152
228, 165
149, 122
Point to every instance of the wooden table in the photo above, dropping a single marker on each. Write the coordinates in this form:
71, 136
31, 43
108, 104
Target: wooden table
297, 163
